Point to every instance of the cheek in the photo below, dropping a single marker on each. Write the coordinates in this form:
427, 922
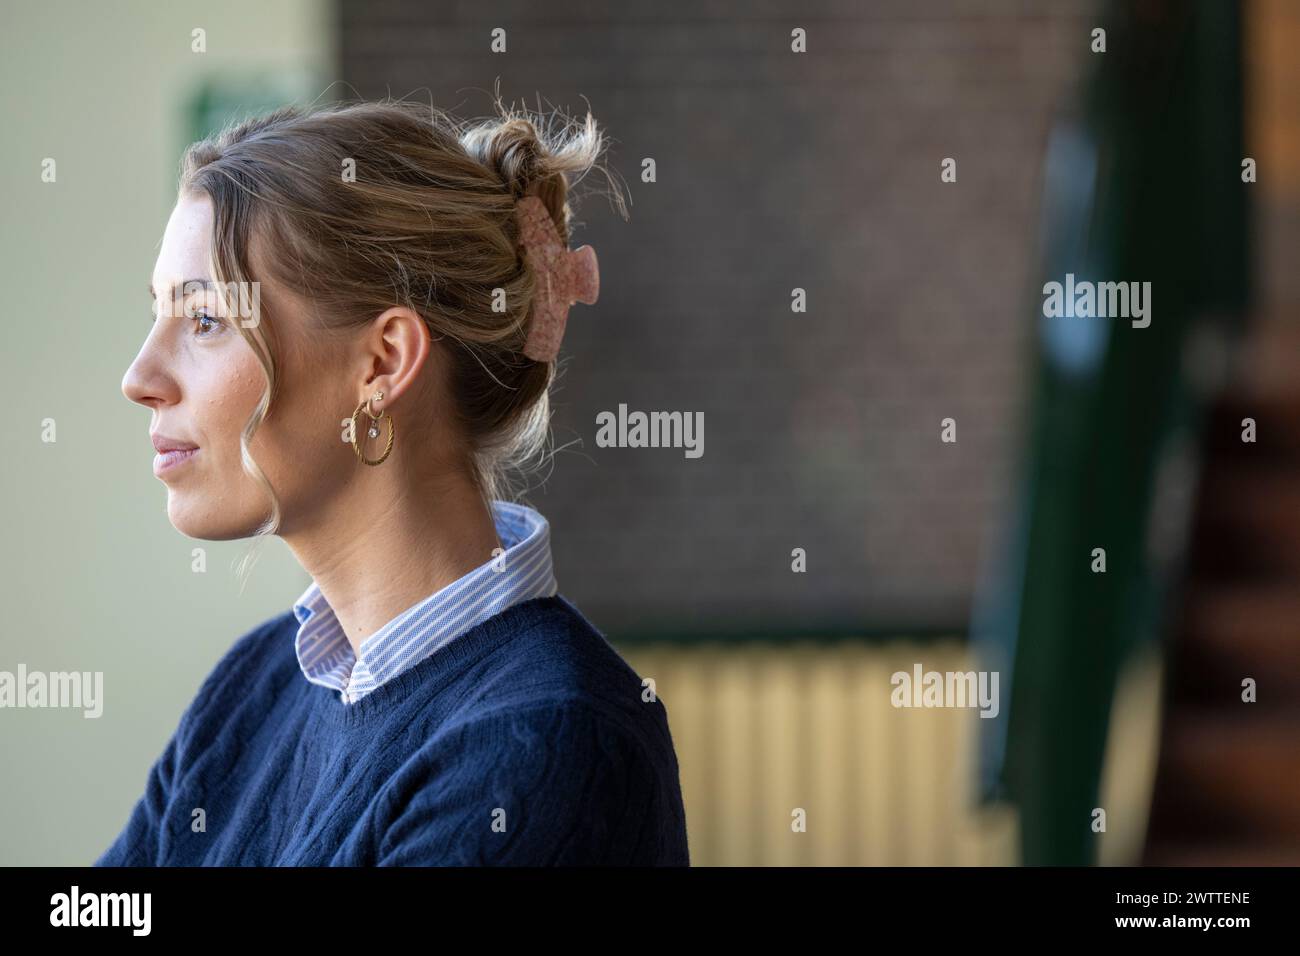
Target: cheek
231, 390
243, 387
302, 427
305, 423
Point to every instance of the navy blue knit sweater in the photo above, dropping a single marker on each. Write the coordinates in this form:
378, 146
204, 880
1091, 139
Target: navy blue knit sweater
526, 741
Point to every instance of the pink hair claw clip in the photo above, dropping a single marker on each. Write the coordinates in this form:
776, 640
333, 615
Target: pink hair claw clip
564, 276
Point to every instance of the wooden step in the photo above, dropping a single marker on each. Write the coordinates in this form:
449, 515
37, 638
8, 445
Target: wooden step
1260, 853
1267, 364
1248, 523
1277, 428
1227, 634
1227, 775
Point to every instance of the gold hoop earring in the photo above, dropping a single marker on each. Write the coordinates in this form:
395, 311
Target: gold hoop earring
373, 430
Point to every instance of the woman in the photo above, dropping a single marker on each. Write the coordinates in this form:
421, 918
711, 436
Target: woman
378, 276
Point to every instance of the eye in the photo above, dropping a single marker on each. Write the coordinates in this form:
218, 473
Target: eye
203, 330
205, 325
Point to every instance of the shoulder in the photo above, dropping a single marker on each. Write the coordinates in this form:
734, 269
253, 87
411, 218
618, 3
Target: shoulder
258, 660
259, 649
558, 661
544, 785
260, 641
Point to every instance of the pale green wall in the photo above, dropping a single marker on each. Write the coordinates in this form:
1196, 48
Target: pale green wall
94, 576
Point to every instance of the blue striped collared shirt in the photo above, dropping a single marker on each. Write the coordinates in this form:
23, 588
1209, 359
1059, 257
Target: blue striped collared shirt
525, 572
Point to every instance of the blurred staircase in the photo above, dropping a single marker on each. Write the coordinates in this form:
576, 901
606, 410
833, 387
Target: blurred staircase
1227, 788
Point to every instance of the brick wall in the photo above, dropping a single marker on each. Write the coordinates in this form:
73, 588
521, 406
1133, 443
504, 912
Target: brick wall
778, 170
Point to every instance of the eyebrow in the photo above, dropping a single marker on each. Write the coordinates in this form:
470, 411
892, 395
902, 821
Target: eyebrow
202, 283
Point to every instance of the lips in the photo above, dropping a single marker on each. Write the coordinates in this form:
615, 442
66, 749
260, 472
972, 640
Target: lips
162, 444
171, 452
166, 461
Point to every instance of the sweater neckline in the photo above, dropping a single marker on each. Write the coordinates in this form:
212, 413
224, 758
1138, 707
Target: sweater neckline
428, 675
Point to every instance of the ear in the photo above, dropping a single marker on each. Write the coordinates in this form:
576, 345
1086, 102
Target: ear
394, 349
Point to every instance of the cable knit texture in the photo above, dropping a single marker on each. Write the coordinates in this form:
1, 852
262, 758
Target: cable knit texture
526, 742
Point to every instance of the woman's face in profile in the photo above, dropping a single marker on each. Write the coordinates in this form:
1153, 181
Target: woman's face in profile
202, 381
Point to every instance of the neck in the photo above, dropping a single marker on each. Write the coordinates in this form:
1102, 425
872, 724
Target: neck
388, 545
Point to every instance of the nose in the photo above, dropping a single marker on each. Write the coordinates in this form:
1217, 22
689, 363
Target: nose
146, 381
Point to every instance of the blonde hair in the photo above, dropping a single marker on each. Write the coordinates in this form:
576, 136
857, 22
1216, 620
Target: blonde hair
426, 222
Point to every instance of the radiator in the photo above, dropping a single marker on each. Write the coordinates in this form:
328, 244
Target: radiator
770, 734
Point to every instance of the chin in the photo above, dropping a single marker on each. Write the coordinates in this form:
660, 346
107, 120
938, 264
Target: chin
206, 523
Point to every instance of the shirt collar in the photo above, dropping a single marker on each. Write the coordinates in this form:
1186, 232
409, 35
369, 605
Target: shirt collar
523, 571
